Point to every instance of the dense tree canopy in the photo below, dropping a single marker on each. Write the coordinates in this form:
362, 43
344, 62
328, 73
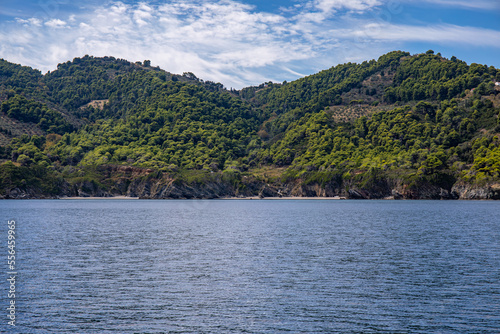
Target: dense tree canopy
421, 116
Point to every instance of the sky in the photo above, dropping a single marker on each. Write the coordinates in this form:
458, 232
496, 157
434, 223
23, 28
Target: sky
246, 42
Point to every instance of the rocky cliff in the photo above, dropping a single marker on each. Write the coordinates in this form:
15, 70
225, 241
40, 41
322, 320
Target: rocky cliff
149, 184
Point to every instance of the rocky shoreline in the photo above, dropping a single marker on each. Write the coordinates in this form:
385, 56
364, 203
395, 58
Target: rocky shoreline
166, 188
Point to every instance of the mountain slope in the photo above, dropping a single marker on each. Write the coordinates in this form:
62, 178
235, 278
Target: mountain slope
405, 126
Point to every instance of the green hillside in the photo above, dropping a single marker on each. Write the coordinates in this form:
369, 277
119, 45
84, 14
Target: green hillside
418, 126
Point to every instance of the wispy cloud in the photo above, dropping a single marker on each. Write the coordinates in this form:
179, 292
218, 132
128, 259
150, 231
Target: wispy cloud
476, 4
226, 40
32, 21
356, 5
214, 40
55, 23
443, 33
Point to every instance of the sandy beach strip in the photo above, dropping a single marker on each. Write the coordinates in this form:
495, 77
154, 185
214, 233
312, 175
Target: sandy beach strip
285, 198
220, 198
113, 197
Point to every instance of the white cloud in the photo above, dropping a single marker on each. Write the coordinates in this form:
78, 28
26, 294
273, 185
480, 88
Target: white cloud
142, 14
446, 33
318, 11
226, 40
31, 21
208, 39
476, 4
357, 5
55, 23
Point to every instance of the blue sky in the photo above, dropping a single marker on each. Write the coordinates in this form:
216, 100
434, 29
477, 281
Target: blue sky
243, 43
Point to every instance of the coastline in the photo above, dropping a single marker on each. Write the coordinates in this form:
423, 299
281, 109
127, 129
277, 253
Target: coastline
220, 198
336, 198
284, 198
104, 198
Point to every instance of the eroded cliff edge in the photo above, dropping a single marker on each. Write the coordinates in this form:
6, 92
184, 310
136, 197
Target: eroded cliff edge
148, 184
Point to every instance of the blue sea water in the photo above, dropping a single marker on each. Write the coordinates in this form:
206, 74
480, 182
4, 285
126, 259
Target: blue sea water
253, 266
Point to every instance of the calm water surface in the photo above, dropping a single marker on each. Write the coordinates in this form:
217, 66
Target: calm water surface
221, 266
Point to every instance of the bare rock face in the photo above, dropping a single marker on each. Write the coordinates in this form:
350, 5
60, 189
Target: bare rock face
467, 191
90, 189
18, 193
358, 194
166, 187
148, 184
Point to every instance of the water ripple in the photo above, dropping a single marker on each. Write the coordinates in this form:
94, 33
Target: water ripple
256, 266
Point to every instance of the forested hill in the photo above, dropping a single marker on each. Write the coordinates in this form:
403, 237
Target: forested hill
402, 126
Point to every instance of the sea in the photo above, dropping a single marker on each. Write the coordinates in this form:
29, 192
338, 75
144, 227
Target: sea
249, 266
